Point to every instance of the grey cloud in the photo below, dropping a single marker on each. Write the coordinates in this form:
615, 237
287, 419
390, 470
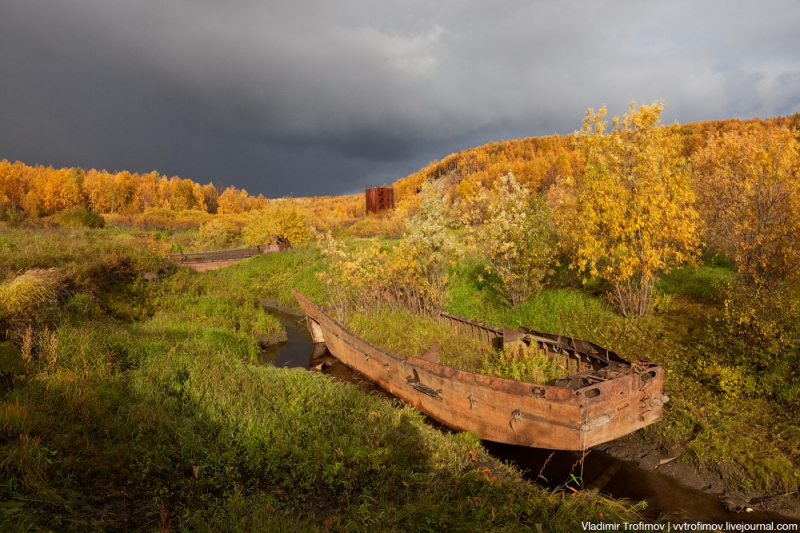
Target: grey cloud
787, 92
742, 92
336, 94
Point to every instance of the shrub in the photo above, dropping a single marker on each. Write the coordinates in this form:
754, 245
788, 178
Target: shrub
424, 260
514, 236
414, 275
753, 342
217, 234
282, 219
523, 363
629, 217
81, 217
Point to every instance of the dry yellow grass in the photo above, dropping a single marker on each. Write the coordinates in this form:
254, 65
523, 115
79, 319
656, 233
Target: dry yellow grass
28, 291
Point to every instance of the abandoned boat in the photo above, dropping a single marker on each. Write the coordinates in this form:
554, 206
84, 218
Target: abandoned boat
604, 398
205, 261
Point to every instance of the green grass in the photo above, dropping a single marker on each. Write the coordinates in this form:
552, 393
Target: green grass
272, 276
80, 217
141, 397
472, 295
405, 334
701, 282
143, 389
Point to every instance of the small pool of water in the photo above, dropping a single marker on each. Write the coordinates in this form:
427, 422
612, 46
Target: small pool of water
295, 351
299, 351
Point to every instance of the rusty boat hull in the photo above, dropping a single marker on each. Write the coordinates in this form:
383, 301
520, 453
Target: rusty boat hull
604, 399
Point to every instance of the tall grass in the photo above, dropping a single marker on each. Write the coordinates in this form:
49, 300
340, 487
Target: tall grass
150, 394
22, 295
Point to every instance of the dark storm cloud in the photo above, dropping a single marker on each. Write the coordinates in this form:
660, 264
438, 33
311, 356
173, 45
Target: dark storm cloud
321, 97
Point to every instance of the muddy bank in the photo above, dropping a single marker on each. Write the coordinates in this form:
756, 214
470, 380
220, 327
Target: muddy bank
706, 483
666, 493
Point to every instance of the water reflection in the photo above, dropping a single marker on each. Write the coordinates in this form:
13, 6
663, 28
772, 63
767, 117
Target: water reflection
294, 353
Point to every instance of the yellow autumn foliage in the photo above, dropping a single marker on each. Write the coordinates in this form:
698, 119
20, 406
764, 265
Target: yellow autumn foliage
413, 275
629, 216
512, 231
748, 186
283, 218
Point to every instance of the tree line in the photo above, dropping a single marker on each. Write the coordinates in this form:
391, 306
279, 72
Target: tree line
40, 191
628, 203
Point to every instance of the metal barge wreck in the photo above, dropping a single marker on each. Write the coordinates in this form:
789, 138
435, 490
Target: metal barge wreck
604, 398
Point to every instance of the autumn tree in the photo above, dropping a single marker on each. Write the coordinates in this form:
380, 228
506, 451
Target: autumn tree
515, 238
49, 191
426, 254
13, 186
232, 201
748, 186
629, 216
182, 194
210, 197
96, 187
281, 219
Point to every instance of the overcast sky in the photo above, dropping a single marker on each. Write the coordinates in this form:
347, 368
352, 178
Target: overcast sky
315, 97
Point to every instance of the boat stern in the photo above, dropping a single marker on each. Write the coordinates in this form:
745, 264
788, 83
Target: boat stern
615, 408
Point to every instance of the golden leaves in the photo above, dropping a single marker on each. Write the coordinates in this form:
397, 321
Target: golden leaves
514, 236
748, 185
629, 216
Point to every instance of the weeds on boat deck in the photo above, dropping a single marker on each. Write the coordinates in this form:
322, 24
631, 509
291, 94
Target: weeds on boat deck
406, 334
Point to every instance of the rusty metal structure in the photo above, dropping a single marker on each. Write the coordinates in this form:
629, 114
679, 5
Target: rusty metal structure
379, 199
604, 398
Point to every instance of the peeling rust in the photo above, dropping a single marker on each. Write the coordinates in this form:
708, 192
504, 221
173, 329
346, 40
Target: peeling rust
379, 199
472, 402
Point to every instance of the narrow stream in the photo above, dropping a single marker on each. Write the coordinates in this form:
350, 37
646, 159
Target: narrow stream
551, 469
294, 352
299, 351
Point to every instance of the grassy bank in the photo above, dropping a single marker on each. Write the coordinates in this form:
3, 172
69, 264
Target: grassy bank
135, 401
271, 277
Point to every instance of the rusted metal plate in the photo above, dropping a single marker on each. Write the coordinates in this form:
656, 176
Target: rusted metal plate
607, 399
